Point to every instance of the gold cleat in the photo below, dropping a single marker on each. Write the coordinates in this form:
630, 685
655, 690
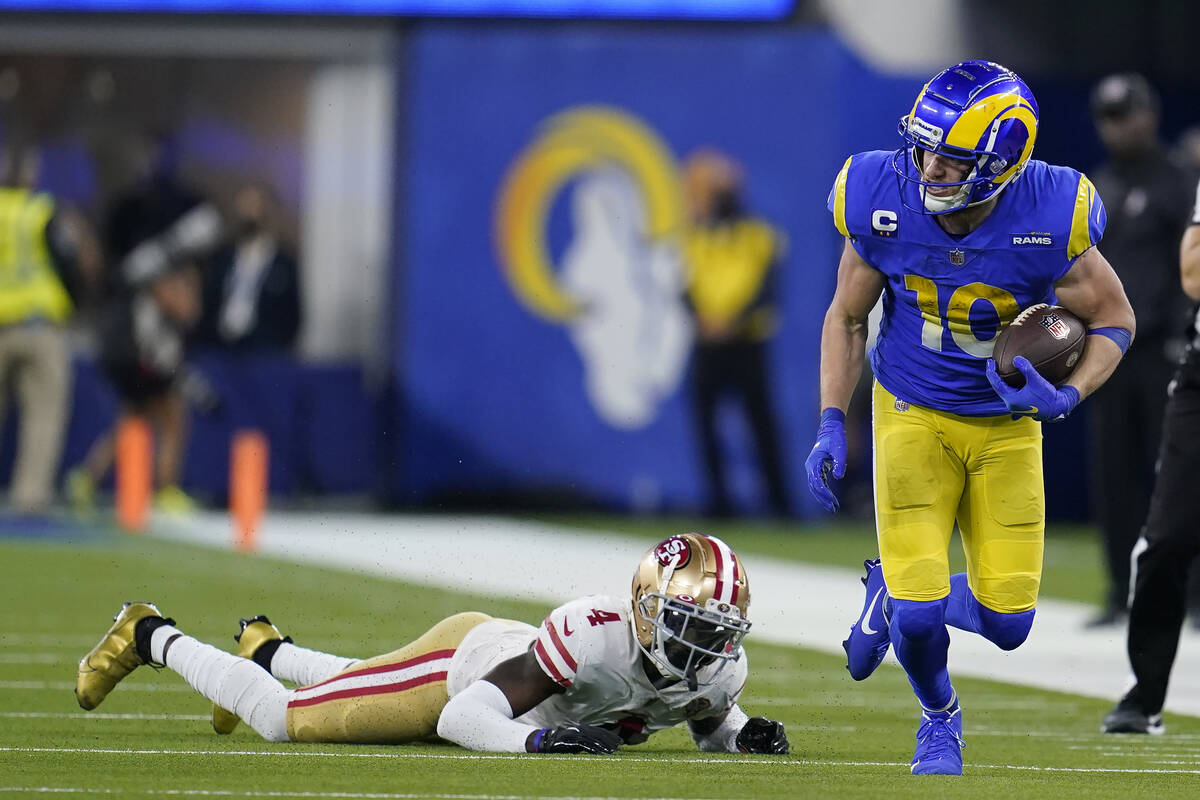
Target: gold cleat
113, 657
255, 632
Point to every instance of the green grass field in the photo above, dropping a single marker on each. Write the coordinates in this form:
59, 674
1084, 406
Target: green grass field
152, 738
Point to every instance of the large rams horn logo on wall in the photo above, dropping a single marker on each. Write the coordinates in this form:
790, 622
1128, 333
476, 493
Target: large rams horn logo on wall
619, 284
571, 143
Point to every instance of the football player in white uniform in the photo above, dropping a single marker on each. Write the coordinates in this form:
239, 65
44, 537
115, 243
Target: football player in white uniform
599, 672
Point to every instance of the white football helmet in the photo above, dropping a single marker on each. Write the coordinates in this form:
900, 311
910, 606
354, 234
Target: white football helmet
690, 598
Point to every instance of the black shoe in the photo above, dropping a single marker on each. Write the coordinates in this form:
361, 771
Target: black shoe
1126, 718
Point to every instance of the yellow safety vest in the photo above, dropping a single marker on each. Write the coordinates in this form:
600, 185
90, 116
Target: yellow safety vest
29, 285
727, 265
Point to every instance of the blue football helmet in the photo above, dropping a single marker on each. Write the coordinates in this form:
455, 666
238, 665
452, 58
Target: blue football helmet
977, 111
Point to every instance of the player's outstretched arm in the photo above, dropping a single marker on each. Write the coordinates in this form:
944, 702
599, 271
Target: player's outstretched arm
1092, 291
843, 344
734, 732
481, 717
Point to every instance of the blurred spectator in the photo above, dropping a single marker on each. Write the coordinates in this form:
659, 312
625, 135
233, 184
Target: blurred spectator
252, 288
1187, 148
48, 259
1147, 196
142, 354
732, 260
153, 204
157, 235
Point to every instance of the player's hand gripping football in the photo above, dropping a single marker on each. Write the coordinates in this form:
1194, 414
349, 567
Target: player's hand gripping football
1038, 398
828, 457
762, 735
575, 739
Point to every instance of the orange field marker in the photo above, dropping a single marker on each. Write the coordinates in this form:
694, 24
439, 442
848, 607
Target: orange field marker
134, 479
248, 458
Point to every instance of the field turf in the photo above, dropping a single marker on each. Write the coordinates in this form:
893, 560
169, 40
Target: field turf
151, 737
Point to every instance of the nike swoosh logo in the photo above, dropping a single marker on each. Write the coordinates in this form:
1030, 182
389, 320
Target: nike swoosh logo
566, 631
863, 626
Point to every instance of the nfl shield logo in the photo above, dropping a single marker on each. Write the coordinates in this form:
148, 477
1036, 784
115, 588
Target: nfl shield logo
957, 257
1055, 325
901, 405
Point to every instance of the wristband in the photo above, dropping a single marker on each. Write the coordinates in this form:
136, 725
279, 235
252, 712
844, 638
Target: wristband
1120, 336
832, 414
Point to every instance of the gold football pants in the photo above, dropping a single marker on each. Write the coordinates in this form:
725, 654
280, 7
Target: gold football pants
933, 469
388, 699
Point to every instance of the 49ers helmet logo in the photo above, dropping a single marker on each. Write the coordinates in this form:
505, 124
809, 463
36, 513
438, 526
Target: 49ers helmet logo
674, 552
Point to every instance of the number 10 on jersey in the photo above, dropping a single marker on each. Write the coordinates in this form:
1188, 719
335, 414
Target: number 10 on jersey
958, 313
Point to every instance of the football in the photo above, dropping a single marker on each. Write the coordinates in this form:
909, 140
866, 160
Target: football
1050, 337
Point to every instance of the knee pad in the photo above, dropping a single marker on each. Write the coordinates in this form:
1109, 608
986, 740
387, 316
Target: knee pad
918, 620
1006, 631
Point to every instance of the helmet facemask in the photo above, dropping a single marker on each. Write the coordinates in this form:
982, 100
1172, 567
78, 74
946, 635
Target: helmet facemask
691, 597
977, 187
687, 637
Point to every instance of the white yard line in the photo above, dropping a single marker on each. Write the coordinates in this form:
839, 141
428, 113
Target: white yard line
59, 686
355, 795
768, 763
35, 658
87, 715
794, 603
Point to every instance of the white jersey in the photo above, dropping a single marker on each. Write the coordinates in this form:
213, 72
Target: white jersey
588, 647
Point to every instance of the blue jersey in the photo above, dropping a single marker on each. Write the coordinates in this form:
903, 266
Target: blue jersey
947, 297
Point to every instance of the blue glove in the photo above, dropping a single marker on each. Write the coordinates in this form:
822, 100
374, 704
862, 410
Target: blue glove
828, 455
1038, 398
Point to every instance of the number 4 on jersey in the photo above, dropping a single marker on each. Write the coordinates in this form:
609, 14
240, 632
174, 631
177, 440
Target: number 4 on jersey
599, 617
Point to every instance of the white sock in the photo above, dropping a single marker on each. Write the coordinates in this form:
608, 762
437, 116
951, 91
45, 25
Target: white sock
305, 667
953, 702
233, 683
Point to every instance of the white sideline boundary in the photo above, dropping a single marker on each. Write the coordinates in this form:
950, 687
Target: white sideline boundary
793, 603
767, 764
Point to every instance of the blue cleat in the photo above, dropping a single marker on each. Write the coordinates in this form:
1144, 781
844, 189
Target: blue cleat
869, 639
939, 743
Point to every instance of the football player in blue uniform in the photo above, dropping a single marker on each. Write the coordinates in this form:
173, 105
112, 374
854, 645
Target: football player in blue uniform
959, 230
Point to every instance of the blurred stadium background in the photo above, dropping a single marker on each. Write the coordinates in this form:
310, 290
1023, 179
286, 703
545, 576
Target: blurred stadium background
432, 371
482, 196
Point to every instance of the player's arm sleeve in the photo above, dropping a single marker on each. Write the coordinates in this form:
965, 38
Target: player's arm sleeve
836, 201
480, 718
721, 738
559, 645
1088, 219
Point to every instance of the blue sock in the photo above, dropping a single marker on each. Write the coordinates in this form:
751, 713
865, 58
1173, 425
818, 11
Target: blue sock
921, 642
963, 611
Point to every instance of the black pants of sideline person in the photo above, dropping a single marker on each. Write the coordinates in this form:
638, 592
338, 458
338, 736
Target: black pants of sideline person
729, 369
1170, 543
1126, 426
